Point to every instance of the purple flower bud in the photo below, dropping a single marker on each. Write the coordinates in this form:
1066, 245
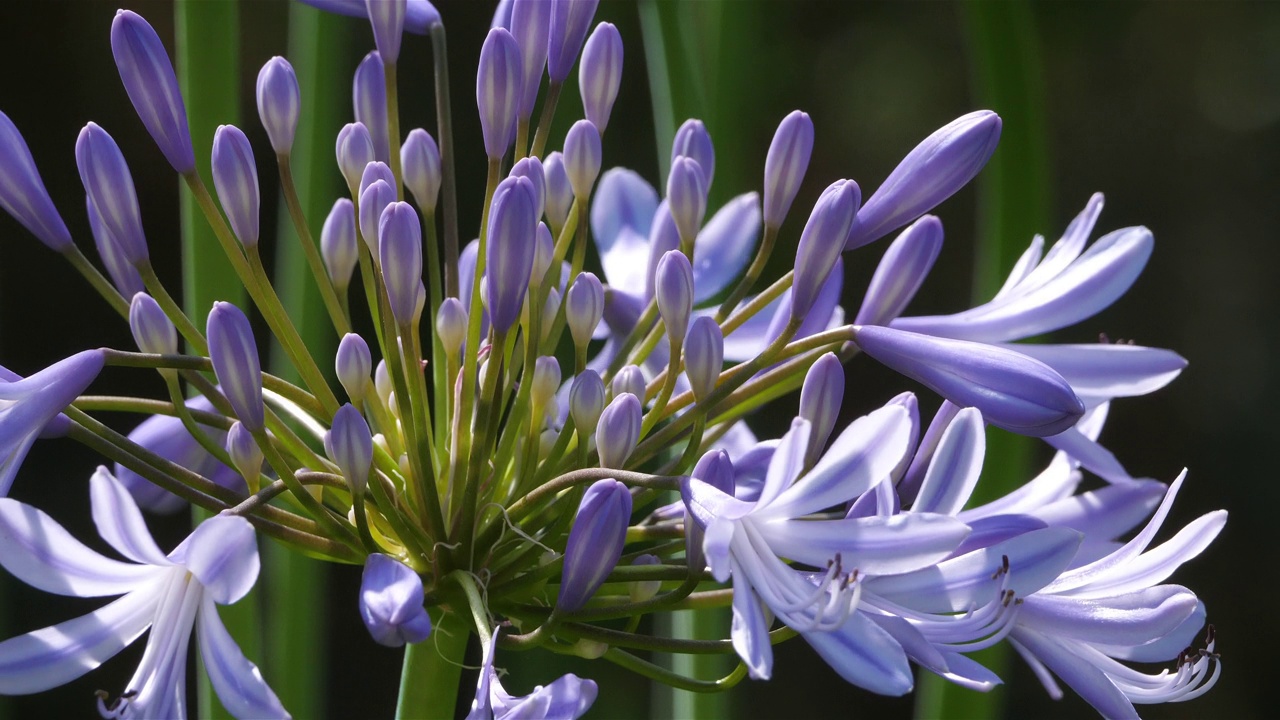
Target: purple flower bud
279, 103
546, 380
235, 177
152, 87
687, 197
22, 192
901, 272
373, 201
543, 255
420, 161
820, 399
821, 243
235, 362
400, 248
419, 15
451, 324
107, 181
559, 191
703, 356
355, 152
375, 171
642, 590
352, 365
693, 141
531, 167
530, 25
349, 444
369, 97
584, 306
123, 274
502, 15
382, 382
673, 289
785, 165
940, 165
391, 602
618, 431
595, 542
510, 251
600, 75
153, 331
630, 379
245, 453
586, 402
498, 91
387, 18
582, 157
1013, 391
570, 20
338, 244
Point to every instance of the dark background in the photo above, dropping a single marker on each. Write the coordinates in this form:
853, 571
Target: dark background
1171, 109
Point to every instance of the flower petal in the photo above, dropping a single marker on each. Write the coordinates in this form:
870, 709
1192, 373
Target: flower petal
119, 520
237, 681
873, 545
724, 246
624, 262
1101, 371
865, 655
1158, 563
787, 462
622, 199
1131, 619
1087, 680
39, 552
1105, 513
750, 631
1090, 455
1166, 648
956, 464
223, 555
1066, 250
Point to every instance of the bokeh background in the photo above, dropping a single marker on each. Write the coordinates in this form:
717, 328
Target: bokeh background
1171, 109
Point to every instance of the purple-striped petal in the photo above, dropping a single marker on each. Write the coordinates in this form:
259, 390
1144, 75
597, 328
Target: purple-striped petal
750, 630
874, 545
1087, 680
223, 555
119, 521
864, 654
956, 465
237, 681
725, 245
1134, 618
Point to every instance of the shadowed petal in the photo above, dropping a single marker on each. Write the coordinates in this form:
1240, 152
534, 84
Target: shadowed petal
1091, 683
865, 655
1131, 619
119, 520
750, 632
223, 555
956, 465
725, 245
873, 545
237, 681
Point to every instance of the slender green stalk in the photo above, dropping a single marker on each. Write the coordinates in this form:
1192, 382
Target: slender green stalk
99, 283
544, 120
449, 178
309, 250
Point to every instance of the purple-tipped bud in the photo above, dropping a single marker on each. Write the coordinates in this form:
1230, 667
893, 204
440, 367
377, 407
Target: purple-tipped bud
642, 590
355, 152
584, 306
279, 103
543, 254
630, 379
498, 91
235, 177
673, 289
387, 18
1013, 391
352, 365
235, 362
618, 431
687, 197
338, 245
530, 25
420, 161
510, 251
531, 167
22, 192
821, 243
586, 402
391, 602
932, 172
109, 184
373, 201
716, 469
600, 75
152, 87
153, 331
559, 191
901, 272
349, 444
375, 171
546, 380
820, 399
703, 356
595, 542
369, 97
245, 453
451, 324
123, 274
400, 248
570, 20
693, 141
582, 157
382, 383
785, 165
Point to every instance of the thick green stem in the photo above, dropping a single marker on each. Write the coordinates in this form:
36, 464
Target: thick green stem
432, 668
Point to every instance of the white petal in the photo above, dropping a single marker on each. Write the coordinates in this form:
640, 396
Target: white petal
237, 681
956, 465
622, 199
1100, 371
787, 462
1105, 513
1027, 262
750, 631
223, 555
120, 522
39, 552
872, 545
625, 260
1065, 251
59, 654
1158, 563
752, 336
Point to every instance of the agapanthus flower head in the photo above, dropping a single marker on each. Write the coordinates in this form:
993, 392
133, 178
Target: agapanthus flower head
152, 87
22, 192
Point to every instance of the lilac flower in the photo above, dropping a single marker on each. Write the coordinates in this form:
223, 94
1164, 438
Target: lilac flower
29, 404
22, 192
391, 602
595, 542
152, 87
216, 565
567, 698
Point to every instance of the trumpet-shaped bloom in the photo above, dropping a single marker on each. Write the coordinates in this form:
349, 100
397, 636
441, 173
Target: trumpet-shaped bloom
567, 698
169, 594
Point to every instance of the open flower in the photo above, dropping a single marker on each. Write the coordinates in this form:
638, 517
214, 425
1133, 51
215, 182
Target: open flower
216, 564
568, 698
